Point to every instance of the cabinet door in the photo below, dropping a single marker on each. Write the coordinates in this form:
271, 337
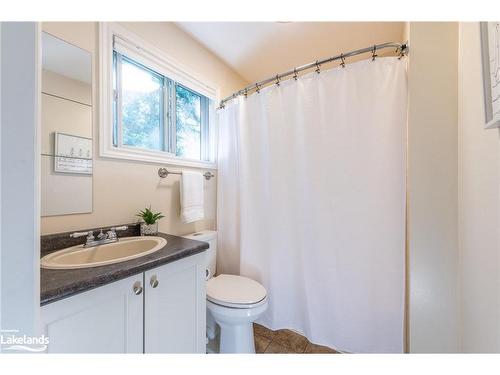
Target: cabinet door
108, 319
174, 310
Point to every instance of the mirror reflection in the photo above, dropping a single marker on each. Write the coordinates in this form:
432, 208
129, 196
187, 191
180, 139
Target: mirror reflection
66, 170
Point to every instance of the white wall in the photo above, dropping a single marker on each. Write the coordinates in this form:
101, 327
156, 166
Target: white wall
432, 187
479, 200
454, 182
20, 254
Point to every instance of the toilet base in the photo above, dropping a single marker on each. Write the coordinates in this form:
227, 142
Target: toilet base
237, 339
236, 326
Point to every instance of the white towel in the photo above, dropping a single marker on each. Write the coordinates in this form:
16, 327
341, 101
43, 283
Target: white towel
192, 207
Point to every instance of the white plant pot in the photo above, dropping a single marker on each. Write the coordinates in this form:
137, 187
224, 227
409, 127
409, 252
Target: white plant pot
149, 229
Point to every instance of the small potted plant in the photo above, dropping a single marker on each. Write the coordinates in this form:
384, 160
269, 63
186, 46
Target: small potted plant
149, 226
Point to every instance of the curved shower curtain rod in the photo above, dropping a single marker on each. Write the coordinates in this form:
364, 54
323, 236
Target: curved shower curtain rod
402, 49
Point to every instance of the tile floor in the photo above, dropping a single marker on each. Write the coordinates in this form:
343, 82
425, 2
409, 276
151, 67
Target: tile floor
285, 341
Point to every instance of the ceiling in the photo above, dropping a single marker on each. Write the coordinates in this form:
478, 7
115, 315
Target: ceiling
257, 50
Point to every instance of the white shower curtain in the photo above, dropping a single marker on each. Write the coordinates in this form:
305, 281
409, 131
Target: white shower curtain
311, 202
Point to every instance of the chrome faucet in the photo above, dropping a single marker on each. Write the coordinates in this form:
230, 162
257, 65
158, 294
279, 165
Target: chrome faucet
102, 238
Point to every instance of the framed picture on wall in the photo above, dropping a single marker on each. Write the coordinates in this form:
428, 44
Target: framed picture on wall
73, 154
490, 46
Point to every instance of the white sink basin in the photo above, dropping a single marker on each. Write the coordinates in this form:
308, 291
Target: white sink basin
80, 257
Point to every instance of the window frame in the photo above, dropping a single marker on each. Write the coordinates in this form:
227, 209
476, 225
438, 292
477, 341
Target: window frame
143, 53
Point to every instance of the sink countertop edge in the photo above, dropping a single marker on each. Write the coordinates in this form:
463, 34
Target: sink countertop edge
57, 284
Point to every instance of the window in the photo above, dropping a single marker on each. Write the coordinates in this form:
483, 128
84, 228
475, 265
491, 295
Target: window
153, 112
156, 111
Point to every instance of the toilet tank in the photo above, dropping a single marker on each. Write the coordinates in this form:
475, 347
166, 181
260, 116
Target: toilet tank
209, 236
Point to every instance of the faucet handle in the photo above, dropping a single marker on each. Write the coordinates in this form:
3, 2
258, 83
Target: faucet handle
123, 227
81, 234
112, 231
89, 234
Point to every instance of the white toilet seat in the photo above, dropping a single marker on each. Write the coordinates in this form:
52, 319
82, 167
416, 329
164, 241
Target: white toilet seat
237, 292
237, 305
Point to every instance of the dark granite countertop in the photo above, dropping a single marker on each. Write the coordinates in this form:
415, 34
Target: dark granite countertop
58, 284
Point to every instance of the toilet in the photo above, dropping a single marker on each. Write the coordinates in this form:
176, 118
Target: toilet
233, 302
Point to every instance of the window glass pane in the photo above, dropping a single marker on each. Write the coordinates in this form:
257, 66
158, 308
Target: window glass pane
188, 123
141, 106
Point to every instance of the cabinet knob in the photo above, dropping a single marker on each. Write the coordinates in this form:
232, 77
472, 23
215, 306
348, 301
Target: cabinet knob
154, 281
137, 288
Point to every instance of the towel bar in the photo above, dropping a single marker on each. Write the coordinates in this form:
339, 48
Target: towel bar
162, 172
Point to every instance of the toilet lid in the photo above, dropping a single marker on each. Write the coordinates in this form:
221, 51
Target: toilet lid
232, 289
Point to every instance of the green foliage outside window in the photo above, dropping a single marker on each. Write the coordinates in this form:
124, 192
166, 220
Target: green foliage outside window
188, 123
141, 114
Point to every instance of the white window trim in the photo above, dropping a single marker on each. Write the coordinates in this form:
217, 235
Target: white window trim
163, 64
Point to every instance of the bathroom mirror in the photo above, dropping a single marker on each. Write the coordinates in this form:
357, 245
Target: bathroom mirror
66, 122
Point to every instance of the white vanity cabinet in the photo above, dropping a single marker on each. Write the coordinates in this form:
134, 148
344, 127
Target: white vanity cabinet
107, 319
159, 311
175, 307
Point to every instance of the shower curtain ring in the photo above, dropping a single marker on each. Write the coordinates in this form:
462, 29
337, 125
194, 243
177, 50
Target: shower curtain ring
294, 73
277, 79
257, 88
374, 52
342, 63
318, 70
246, 93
